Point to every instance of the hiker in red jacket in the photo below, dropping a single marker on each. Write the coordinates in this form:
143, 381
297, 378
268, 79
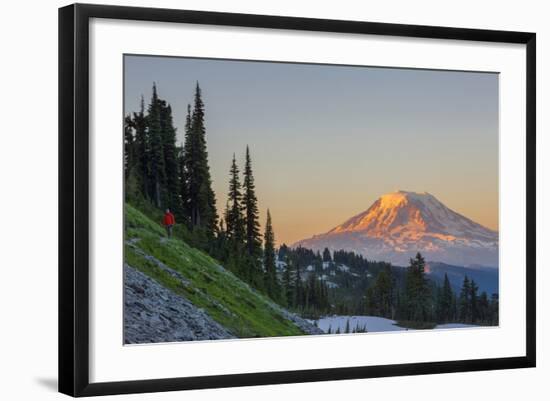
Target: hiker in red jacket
168, 220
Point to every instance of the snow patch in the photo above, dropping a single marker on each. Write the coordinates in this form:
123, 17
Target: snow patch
372, 323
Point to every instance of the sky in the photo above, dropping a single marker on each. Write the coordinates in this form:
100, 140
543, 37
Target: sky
326, 141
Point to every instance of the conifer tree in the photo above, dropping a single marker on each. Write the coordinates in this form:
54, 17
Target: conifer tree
417, 291
182, 187
222, 251
483, 308
129, 146
326, 255
464, 311
141, 149
172, 200
283, 252
238, 260
188, 123
200, 202
131, 184
156, 157
271, 283
454, 308
318, 262
474, 307
250, 205
380, 297
446, 301
234, 214
184, 165
493, 310
298, 286
288, 284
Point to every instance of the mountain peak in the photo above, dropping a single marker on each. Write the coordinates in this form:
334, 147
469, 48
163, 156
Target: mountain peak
396, 210
405, 222
396, 198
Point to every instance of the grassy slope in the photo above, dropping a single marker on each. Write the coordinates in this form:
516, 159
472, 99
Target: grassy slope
223, 296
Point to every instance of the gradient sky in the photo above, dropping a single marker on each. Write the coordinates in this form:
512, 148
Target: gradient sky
327, 141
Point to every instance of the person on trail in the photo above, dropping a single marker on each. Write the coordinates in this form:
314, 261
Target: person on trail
168, 220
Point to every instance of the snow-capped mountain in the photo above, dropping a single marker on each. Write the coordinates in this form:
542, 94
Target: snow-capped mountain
402, 223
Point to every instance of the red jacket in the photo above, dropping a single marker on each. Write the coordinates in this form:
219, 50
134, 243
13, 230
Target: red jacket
168, 219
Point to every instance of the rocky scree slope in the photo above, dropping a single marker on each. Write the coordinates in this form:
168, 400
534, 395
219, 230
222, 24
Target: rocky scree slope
174, 292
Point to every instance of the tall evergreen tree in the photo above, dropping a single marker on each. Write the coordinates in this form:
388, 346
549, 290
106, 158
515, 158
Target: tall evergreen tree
200, 202
271, 283
184, 165
326, 255
445, 306
156, 157
483, 308
235, 232
234, 219
171, 198
131, 184
298, 291
142, 148
474, 301
417, 292
181, 191
250, 205
381, 296
288, 284
129, 146
464, 304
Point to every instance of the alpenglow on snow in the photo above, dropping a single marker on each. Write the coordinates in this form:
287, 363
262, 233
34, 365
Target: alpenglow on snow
401, 223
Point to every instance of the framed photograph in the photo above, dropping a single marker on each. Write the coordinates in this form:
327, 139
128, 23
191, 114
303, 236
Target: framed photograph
250, 199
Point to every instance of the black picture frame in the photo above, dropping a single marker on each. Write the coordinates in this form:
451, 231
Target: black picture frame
74, 198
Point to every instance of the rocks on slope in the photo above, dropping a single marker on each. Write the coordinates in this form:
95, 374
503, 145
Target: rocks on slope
154, 314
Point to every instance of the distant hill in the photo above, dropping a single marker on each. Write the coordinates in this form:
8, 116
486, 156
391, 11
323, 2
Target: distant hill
400, 224
485, 277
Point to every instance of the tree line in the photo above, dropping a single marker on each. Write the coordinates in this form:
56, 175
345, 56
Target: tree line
162, 175
305, 292
421, 300
239, 239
